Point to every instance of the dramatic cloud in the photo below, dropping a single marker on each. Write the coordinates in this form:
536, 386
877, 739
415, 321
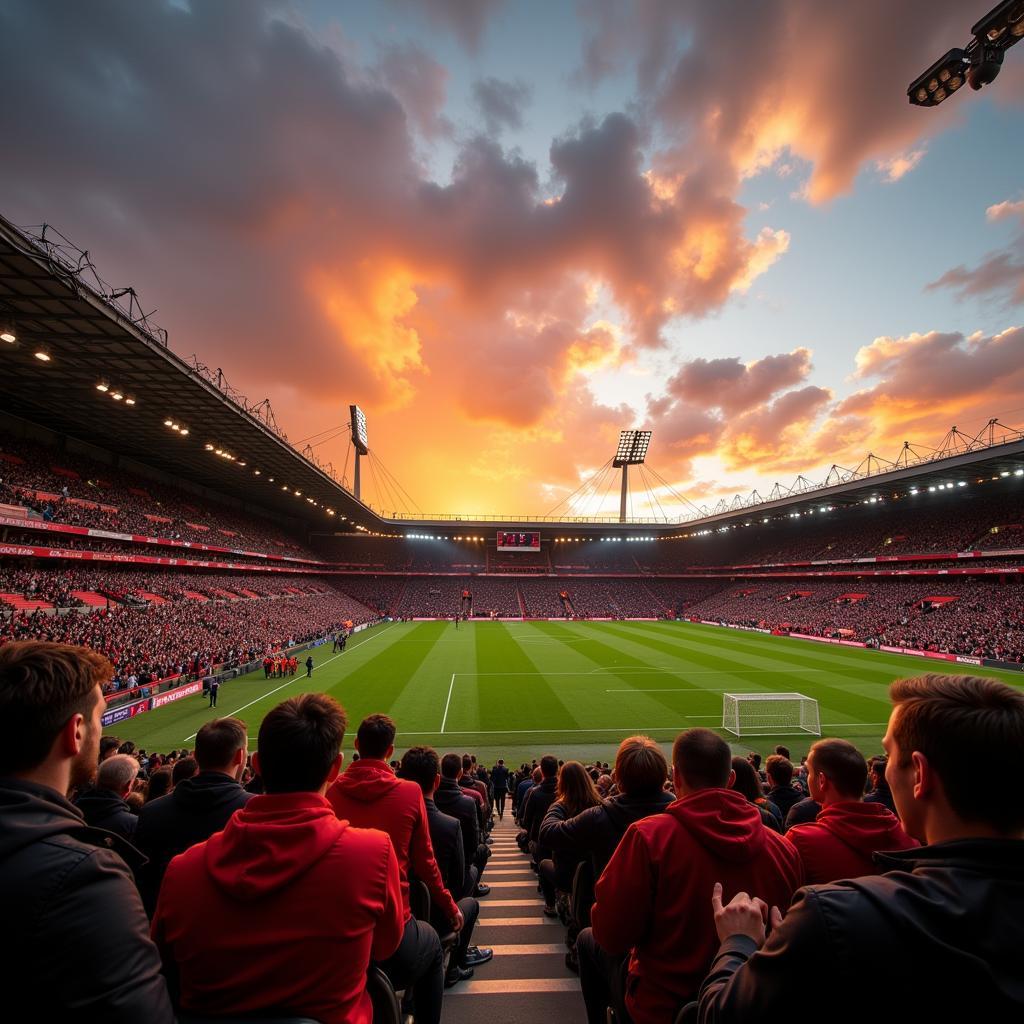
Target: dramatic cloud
1001, 273
501, 103
466, 19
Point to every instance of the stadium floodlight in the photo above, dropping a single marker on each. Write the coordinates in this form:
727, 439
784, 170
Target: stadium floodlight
770, 714
978, 63
359, 442
7, 334
632, 448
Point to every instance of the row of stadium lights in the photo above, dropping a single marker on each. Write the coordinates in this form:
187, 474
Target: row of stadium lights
7, 335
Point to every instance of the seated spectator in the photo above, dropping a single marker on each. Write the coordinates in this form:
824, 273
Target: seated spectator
186, 768
451, 799
745, 781
841, 842
536, 805
939, 934
197, 806
161, 782
802, 812
781, 792
422, 766
283, 910
641, 771
652, 898
78, 940
369, 796
575, 793
880, 793
105, 804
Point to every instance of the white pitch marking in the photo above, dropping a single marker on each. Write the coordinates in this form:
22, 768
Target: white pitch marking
270, 693
447, 702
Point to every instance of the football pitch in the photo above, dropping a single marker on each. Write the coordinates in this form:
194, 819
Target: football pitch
520, 689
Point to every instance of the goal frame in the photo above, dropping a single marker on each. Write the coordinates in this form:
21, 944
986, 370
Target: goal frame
808, 719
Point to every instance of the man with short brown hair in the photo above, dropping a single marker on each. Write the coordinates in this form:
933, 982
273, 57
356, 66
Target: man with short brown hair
939, 934
197, 806
840, 842
651, 900
78, 944
285, 907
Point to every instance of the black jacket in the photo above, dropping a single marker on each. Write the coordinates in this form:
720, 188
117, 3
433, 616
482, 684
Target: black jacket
78, 945
802, 812
190, 813
450, 800
537, 803
450, 854
882, 795
938, 937
597, 830
499, 777
784, 797
103, 808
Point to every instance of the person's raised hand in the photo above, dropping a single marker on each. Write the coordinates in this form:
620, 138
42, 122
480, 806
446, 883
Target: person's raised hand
742, 915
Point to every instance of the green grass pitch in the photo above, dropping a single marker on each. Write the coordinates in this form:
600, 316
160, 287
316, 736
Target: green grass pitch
520, 689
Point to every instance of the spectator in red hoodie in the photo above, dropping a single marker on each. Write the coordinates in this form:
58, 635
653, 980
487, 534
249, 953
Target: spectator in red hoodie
284, 908
369, 795
651, 900
847, 831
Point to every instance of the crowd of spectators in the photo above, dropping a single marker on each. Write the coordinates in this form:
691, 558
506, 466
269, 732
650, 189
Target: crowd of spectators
279, 882
149, 642
145, 507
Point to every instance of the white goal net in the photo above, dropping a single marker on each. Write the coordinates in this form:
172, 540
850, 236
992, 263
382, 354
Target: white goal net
769, 714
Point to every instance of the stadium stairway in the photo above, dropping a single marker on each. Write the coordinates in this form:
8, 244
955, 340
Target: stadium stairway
527, 980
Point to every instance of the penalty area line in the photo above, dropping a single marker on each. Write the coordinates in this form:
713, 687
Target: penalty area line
294, 678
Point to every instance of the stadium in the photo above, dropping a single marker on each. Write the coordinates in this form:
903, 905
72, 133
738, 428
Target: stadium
152, 513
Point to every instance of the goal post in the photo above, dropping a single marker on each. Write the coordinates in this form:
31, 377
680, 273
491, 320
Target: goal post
770, 714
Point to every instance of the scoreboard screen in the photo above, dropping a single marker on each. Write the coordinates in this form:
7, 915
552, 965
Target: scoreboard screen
508, 541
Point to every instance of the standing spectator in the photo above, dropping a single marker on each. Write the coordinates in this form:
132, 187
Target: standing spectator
847, 832
197, 806
283, 910
369, 796
880, 793
499, 778
214, 687
79, 941
939, 933
779, 770
105, 806
652, 898
309, 667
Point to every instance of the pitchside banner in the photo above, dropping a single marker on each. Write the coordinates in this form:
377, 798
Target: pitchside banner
188, 690
124, 712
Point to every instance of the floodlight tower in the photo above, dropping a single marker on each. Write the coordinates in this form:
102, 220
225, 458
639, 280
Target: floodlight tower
358, 421
632, 451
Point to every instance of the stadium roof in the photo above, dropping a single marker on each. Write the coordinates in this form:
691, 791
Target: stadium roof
56, 304
93, 339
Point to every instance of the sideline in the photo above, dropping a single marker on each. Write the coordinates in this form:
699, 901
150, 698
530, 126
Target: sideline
296, 677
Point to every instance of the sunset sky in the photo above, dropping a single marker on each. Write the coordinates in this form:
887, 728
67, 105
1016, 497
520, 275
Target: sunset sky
510, 229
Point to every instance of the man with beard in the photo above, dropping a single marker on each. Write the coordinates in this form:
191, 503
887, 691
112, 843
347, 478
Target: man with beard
82, 944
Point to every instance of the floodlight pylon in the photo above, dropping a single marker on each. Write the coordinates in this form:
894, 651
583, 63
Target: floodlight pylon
632, 451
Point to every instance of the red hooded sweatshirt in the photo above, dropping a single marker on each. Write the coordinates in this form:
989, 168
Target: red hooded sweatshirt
654, 897
840, 842
282, 912
369, 795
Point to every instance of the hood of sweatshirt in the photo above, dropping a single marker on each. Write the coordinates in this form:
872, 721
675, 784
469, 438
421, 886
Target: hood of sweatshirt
366, 780
623, 810
864, 827
270, 842
724, 822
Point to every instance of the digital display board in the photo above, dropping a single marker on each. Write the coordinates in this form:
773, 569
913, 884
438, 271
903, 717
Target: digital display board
509, 541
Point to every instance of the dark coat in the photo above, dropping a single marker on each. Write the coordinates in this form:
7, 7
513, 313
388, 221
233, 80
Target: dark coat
450, 854
103, 808
596, 831
499, 778
938, 936
78, 940
537, 804
450, 800
784, 797
802, 812
190, 813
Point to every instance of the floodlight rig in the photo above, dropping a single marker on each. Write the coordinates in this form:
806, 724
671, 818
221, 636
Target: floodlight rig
359, 443
632, 451
978, 62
